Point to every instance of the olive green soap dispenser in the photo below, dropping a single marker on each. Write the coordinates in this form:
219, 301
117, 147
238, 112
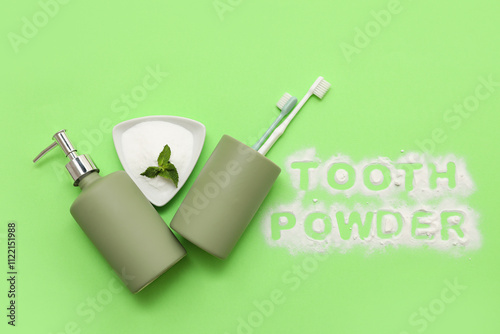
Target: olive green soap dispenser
119, 220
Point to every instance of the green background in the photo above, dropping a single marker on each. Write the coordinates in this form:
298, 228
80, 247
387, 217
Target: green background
227, 70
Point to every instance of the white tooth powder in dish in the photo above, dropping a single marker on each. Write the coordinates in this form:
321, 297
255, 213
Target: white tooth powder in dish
142, 144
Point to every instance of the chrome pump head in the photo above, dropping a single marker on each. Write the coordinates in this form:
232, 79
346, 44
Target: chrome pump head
78, 165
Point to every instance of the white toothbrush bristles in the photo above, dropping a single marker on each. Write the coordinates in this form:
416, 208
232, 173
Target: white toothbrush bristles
284, 99
321, 89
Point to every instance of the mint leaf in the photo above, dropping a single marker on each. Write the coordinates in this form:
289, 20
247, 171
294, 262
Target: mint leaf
171, 174
165, 168
152, 172
169, 166
164, 156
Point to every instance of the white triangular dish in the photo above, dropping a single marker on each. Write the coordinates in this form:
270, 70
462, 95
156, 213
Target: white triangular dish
160, 197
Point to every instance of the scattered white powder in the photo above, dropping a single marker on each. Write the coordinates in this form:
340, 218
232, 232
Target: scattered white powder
341, 176
424, 216
376, 177
318, 226
421, 187
389, 224
142, 144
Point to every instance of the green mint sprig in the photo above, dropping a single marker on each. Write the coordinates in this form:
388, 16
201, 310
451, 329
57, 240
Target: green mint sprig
165, 168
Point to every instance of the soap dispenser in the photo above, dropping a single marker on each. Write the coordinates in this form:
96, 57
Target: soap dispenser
120, 221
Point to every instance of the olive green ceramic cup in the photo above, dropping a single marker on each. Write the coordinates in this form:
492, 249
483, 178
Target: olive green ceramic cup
224, 198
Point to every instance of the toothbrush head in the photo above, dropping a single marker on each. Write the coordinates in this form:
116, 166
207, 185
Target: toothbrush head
281, 103
286, 104
320, 87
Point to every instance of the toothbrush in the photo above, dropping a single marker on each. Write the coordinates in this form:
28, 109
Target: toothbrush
285, 104
319, 88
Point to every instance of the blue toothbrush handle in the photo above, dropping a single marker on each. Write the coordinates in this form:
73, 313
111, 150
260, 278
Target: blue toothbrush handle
262, 139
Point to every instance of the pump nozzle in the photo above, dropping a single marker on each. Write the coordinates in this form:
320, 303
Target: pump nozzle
79, 165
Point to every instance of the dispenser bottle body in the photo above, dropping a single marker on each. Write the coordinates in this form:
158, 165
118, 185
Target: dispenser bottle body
126, 228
